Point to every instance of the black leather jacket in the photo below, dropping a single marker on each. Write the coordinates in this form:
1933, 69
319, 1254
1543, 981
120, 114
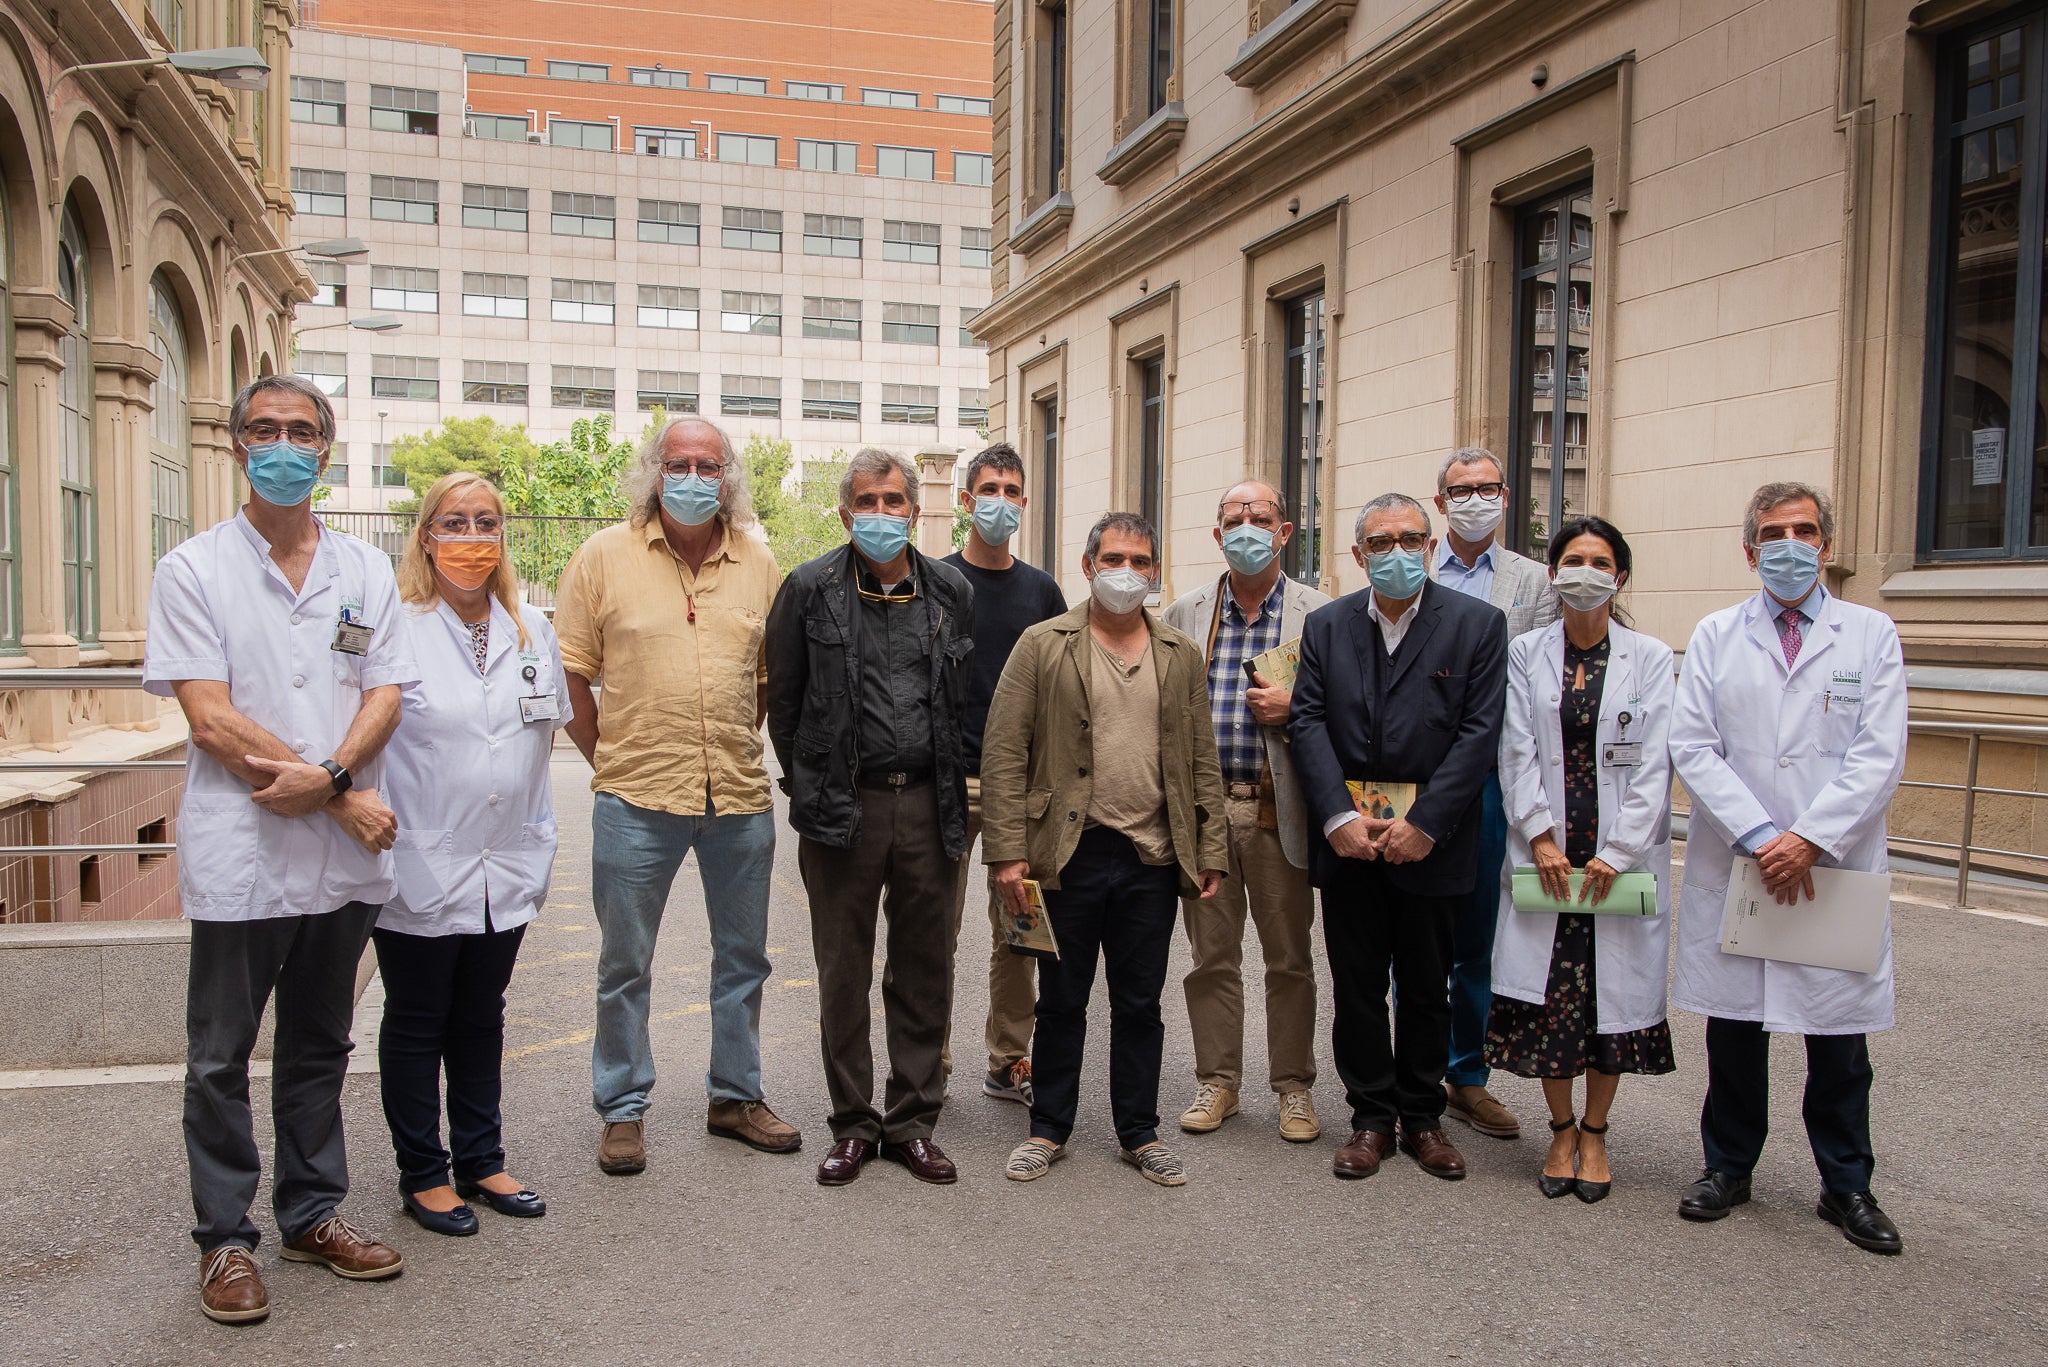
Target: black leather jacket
813, 650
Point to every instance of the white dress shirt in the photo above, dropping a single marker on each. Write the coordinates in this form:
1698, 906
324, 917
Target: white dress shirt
468, 777
221, 609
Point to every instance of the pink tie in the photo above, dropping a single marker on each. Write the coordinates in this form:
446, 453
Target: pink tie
1789, 636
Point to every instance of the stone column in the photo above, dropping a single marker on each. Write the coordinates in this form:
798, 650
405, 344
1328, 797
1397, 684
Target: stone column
123, 488
935, 499
212, 457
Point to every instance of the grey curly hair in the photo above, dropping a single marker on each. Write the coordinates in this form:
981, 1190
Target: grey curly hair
641, 481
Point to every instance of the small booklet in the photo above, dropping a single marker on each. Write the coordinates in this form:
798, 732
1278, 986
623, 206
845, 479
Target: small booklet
1279, 665
1381, 801
1633, 894
1030, 931
1842, 926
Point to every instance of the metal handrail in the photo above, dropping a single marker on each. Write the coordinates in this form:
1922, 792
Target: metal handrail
84, 676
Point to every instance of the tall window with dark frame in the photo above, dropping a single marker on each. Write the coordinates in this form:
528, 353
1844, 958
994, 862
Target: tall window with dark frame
170, 424
1553, 333
1984, 445
1047, 483
10, 580
1302, 397
1056, 100
77, 511
1159, 54
1152, 439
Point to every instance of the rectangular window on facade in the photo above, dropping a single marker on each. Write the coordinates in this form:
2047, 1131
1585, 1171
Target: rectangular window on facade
403, 109
888, 99
494, 382
967, 337
1045, 484
906, 163
583, 386
335, 476
832, 400
813, 90
486, 295
831, 235
915, 242
833, 320
1156, 41
1553, 322
658, 76
667, 306
579, 71
405, 289
750, 396
973, 408
973, 168
401, 199
581, 301
494, 206
1152, 439
1302, 390
330, 283
965, 104
318, 101
328, 369
752, 230
405, 377
759, 314
320, 192
916, 324
917, 404
669, 220
498, 127
736, 85
748, 149
591, 137
673, 390
490, 64
651, 141
974, 247
1051, 104
580, 215
384, 474
813, 155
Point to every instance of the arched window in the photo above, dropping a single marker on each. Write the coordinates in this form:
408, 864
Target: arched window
10, 582
74, 436
170, 425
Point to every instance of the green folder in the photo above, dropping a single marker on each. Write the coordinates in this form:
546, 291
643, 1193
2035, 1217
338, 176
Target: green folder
1633, 894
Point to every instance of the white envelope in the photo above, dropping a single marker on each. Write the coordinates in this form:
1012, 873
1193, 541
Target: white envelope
1841, 927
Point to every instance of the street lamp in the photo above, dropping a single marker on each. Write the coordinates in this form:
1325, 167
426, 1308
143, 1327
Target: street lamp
237, 68
369, 322
328, 248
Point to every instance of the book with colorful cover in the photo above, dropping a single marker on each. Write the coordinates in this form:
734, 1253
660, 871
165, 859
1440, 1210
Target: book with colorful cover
1279, 665
1381, 801
1030, 931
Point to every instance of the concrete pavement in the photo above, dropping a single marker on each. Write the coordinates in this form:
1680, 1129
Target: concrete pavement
719, 1253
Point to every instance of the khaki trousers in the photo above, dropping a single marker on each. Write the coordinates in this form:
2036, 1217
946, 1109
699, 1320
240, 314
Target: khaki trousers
1012, 978
1282, 908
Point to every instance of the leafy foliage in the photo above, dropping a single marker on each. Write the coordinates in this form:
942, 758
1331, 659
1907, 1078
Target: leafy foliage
577, 478
480, 444
799, 512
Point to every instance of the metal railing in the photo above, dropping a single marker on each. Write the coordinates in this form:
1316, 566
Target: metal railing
1966, 848
45, 679
539, 547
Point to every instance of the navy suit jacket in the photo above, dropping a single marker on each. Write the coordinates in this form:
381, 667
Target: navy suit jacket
1440, 727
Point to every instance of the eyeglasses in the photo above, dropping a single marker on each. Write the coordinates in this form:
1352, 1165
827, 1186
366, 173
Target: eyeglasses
455, 524
1461, 493
703, 469
298, 433
1408, 541
1257, 507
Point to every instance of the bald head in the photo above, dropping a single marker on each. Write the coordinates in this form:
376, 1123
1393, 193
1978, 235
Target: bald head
1255, 503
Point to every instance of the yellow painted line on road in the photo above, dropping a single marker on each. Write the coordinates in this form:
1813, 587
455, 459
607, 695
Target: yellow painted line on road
586, 1036
799, 982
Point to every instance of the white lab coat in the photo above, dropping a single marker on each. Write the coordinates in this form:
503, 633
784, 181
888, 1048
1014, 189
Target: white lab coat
1630, 952
468, 780
1816, 750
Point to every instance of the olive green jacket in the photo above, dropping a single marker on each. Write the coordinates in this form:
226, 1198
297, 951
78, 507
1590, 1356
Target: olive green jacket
1036, 754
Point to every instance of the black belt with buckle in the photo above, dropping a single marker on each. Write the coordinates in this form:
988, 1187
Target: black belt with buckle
896, 779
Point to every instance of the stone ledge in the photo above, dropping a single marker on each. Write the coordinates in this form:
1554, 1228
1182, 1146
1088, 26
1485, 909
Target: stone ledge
1146, 146
1043, 224
1292, 35
1968, 581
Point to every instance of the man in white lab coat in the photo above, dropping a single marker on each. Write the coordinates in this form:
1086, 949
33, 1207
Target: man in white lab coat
1790, 735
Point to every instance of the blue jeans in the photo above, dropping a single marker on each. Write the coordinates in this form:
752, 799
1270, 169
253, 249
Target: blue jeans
1472, 946
634, 857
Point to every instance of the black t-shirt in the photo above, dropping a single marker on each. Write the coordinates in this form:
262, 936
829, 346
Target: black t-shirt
1005, 603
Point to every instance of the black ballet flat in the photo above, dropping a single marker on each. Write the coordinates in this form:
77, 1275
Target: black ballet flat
1592, 1193
521, 1204
1554, 1187
457, 1223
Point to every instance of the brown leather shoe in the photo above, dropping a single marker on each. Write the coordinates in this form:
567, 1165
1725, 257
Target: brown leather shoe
1433, 1150
844, 1160
1362, 1154
623, 1150
927, 1161
753, 1124
230, 1292
346, 1250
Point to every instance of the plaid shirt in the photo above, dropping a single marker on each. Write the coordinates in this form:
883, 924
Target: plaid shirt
1240, 743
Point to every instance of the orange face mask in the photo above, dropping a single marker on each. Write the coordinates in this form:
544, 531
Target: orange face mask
467, 561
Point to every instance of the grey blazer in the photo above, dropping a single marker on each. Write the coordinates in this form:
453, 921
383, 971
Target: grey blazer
1521, 589
1192, 613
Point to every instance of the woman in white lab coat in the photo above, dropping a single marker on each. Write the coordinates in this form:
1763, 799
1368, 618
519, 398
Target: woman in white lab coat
467, 776
1586, 778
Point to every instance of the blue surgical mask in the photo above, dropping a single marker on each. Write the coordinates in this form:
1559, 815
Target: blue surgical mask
690, 499
1397, 573
880, 537
1249, 549
996, 518
283, 474
1788, 568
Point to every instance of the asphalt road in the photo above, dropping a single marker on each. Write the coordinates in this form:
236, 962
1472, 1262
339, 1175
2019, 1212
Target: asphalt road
719, 1253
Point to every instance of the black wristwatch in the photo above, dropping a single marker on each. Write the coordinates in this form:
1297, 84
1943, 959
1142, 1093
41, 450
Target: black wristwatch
343, 780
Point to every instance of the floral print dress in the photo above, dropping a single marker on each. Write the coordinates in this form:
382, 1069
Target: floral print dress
1560, 1038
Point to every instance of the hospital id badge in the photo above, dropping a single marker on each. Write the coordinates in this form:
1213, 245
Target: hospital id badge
545, 707
352, 638
1622, 754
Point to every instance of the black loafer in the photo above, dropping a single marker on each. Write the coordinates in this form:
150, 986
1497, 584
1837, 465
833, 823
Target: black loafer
521, 1204
1861, 1222
1713, 1196
458, 1223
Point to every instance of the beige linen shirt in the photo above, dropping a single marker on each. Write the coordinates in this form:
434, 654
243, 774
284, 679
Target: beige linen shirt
1130, 784
680, 658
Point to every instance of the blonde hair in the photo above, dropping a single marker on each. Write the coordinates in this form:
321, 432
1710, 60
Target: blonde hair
416, 581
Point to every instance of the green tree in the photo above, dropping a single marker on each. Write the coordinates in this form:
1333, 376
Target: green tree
573, 479
799, 513
481, 445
